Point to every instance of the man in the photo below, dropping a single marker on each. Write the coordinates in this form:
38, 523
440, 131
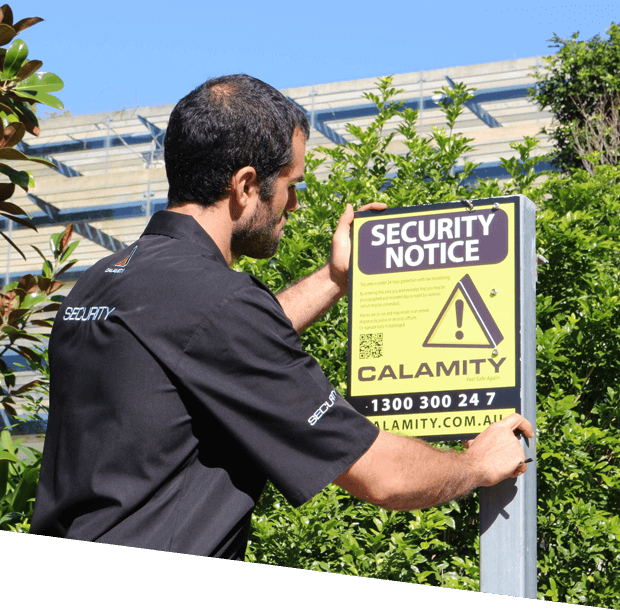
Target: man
179, 386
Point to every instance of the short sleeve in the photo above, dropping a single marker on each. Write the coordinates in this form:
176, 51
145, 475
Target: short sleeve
245, 365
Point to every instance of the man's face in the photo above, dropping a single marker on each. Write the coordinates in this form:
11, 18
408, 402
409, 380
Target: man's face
260, 235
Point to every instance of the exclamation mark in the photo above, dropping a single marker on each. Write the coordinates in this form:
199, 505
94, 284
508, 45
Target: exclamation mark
459, 318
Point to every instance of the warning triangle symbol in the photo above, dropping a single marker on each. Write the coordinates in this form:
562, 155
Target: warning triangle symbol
464, 321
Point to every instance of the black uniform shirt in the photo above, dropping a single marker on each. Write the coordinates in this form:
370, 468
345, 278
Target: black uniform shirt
178, 386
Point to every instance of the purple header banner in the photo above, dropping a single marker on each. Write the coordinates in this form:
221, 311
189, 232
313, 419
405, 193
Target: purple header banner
416, 242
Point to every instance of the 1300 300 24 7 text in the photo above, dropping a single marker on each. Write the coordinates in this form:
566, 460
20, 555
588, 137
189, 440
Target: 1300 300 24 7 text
470, 400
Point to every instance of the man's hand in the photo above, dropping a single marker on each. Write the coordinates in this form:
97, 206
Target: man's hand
311, 297
341, 244
496, 453
401, 473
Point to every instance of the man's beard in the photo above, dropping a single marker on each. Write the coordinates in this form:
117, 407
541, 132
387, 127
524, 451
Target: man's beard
259, 237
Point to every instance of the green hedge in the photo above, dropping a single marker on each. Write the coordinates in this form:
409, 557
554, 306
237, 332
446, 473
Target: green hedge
578, 334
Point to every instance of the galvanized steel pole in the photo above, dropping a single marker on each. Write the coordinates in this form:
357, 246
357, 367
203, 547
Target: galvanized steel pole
508, 541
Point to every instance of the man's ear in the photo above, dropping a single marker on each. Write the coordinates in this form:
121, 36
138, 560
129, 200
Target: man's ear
244, 192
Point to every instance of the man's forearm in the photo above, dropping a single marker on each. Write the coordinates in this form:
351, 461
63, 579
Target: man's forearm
452, 477
308, 299
406, 474
409, 474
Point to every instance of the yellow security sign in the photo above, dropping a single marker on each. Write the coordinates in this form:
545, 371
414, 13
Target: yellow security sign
433, 328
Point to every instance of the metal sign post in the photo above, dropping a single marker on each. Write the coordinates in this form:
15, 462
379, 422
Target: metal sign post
508, 543
442, 344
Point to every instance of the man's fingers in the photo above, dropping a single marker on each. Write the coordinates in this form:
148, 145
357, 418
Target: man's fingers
519, 471
497, 451
518, 423
347, 215
375, 205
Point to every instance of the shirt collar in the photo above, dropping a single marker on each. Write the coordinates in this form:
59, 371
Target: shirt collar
182, 226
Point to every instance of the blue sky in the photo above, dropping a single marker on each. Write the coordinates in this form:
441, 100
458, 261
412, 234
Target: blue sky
126, 53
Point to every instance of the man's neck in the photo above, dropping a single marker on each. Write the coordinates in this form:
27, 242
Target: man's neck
216, 222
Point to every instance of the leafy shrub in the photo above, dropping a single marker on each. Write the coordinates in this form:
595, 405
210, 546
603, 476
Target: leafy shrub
27, 308
21, 88
580, 84
578, 379
334, 531
577, 371
19, 476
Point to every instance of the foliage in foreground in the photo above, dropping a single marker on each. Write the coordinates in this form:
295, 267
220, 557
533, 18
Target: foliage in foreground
335, 532
26, 306
578, 318
21, 88
27, 309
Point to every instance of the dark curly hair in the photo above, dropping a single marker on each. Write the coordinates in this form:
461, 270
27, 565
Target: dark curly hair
225, 124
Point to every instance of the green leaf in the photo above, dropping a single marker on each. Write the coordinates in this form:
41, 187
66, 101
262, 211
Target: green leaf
4, 476
26, 489
38, 252
69, 251
33, 384
37, 87
15, 246
47, 269
22, 221
15, 56
66, 268
7, 442
22, 179
21, 111
6, 113
16, 333
44, 82
10, 154
40, 98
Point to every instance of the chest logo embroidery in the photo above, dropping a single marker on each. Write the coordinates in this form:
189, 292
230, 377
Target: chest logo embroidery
120, 266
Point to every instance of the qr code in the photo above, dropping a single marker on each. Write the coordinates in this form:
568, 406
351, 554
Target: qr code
371, 346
